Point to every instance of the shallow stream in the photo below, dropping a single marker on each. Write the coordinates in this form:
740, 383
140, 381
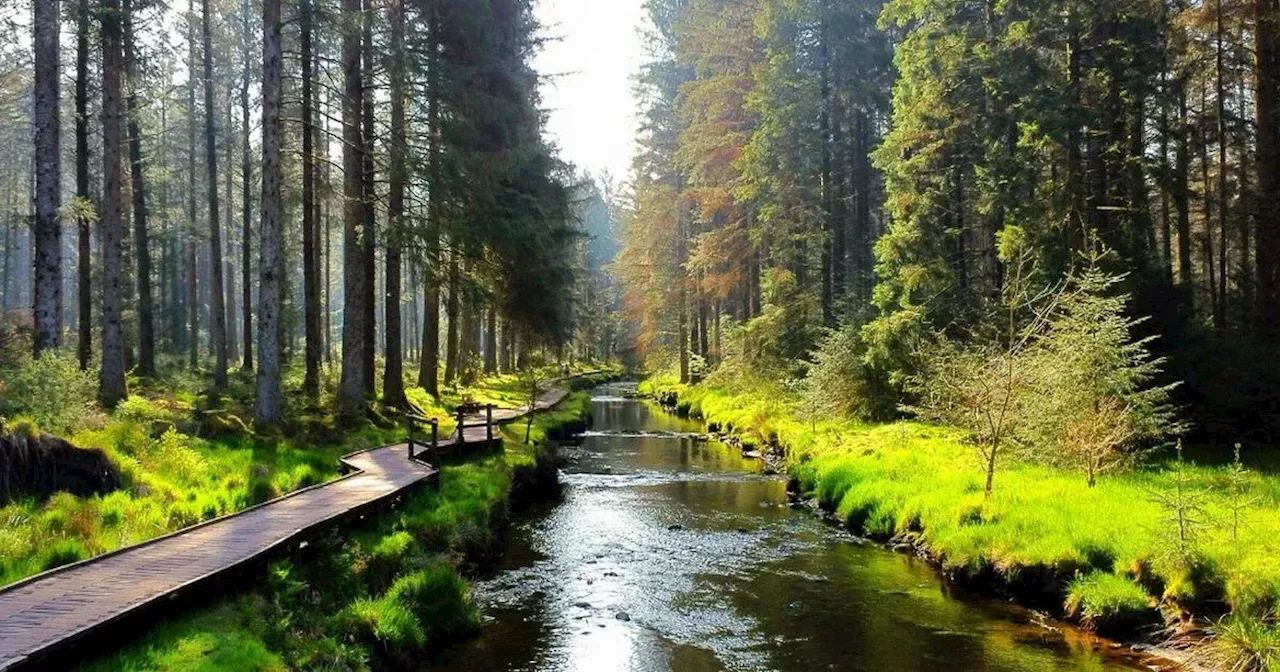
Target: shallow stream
671, 553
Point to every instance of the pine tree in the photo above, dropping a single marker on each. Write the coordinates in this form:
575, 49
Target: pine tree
48, 196
112, 387
268, 408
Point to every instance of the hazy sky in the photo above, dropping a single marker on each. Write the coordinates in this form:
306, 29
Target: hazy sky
592, 115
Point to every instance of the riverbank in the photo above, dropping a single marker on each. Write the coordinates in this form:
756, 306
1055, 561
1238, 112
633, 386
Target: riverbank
378, 595
1111, 558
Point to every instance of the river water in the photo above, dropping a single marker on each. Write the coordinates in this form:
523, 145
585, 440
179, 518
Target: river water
668, 553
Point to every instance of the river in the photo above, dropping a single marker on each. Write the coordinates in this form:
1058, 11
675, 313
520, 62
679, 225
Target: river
670, 553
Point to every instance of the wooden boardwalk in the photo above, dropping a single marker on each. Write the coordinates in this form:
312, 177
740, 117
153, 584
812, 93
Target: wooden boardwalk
50, 612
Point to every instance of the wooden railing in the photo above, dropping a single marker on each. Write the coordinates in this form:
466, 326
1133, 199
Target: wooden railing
487, 423
412, 421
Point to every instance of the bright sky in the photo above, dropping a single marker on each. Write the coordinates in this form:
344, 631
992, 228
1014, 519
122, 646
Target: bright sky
588, 95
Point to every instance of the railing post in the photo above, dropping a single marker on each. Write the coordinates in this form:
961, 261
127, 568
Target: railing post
408, 421
462, 427
435, 439
488, 423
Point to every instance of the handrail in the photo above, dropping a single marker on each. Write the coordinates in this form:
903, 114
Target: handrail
411, 421
462, 423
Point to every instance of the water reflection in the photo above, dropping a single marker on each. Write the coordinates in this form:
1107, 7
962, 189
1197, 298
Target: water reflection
672, 553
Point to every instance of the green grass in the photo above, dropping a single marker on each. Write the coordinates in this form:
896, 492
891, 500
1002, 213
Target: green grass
1106, 601
172, 480
921, 484
375, 596
186, 458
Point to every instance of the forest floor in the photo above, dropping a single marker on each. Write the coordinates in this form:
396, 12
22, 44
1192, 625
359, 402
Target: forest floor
1112, 557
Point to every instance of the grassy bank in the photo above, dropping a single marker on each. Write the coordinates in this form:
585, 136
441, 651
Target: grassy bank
1110, 557
184, 458
375, 596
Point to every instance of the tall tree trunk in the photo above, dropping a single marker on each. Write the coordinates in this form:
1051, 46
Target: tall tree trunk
193, 236
270, 402
229, 146
429, 360
1077, 225
351, 397
1182, 196
217, 301
111, 385
310, 276
141, 234
829, 261
451, 363
246, 195
393, 374
1220, 314
1267, 239
327, 203
317, 213
1166, 172
48, 231
682, 300
1206, 243
84, 294
369, 198
491, 341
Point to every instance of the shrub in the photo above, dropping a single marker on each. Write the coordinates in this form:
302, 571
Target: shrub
262, 490
839, 382
143, 411
51, 389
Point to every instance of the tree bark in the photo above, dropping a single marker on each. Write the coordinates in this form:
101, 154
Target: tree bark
269, 406
141, 235
829, 260
217, 301
393, 375
1182, 196
351, 398
1220, 314
451, 312
193, 237
48, 232
1267, 238
310, 276
429, 359
112, 387
246, 196
228, 183
491, 341
369, 198
85, 287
